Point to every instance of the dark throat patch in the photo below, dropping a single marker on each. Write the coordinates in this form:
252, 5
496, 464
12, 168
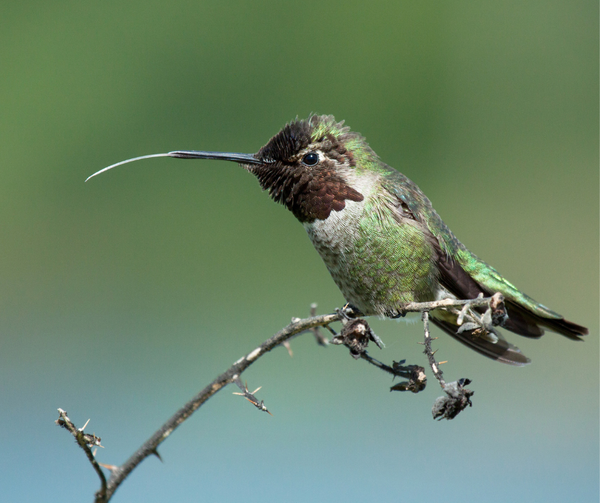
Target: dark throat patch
310, 193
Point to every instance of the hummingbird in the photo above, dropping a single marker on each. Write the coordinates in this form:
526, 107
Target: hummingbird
378, 234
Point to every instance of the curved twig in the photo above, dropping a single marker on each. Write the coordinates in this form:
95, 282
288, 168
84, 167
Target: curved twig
149, 447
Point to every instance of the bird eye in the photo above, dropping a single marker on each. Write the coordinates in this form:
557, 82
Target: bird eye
310, 159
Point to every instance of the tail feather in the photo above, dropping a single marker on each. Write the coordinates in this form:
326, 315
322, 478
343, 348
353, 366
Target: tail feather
567, 328
524, 322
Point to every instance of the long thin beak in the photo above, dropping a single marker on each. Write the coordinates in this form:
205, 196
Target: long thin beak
190, 154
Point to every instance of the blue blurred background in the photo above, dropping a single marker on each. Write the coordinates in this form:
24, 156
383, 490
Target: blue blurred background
124, 296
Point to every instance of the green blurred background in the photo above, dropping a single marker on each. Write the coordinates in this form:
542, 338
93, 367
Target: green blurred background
124, 296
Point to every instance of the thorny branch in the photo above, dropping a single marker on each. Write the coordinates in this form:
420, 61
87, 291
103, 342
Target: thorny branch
355, 335
457, 396
84, 440
120, 473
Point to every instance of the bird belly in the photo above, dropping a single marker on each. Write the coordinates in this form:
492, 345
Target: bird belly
378, 264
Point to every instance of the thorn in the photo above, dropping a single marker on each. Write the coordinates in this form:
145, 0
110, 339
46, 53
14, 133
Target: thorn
441, 363
112, 468
256, 390
83, 427
155, 452
287, 346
